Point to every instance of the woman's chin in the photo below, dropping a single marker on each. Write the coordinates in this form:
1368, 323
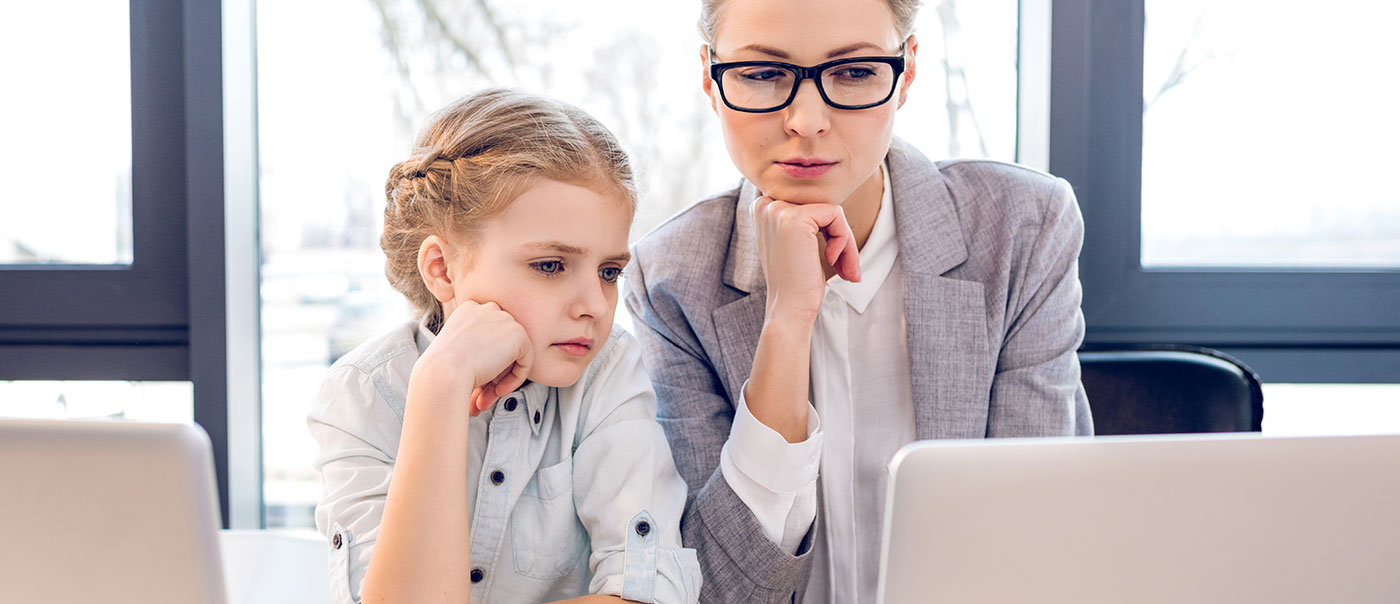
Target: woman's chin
804, 193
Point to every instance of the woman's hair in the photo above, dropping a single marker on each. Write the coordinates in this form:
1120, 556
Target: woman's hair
475, 156
903, 11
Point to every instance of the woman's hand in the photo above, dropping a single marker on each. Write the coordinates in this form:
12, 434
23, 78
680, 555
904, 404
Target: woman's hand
480, 349
796, 244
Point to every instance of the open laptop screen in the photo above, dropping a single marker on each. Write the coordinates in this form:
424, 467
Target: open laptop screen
1224, 518
107, 511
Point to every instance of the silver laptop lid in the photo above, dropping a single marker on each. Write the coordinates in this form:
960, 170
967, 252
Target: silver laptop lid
111, 512
1230, 518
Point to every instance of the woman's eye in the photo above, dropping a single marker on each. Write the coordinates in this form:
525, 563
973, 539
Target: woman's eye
762, 75
548, 267
855, 73
610, 273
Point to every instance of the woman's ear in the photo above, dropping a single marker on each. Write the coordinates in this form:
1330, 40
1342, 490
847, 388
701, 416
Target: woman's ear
707, 84
911, 48
432, 267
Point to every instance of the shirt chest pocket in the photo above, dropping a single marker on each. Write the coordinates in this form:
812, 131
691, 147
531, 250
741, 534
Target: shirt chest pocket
547, 538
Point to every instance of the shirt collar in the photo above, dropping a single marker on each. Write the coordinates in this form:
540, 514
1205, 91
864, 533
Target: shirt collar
878, 256
535, 396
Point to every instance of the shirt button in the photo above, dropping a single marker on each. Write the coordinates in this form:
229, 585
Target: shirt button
643, 528
477, 575
537, 417
511, 403
336, 541
498, 477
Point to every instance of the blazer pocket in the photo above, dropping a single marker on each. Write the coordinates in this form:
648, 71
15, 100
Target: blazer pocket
547, 539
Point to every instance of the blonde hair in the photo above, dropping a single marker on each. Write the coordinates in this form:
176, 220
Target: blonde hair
475, 156
903, 11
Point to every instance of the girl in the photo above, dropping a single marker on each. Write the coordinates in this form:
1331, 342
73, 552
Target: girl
503, 448
850, 296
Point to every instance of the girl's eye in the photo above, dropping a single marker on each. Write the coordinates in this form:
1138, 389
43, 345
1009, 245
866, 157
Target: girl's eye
548, 267
610, 273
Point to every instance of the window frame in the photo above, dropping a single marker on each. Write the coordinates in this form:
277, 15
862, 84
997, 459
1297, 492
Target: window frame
164, 316
1291, 325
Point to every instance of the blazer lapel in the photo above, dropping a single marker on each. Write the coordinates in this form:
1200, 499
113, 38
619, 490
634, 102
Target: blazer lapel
946, 317
738, 323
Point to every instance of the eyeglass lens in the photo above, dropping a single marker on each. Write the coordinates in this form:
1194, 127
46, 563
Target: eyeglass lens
768, 86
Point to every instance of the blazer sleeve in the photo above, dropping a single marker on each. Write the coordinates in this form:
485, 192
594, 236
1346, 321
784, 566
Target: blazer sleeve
738, 561
1036, 390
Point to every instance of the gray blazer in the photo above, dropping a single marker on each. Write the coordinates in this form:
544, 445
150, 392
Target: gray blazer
990, 257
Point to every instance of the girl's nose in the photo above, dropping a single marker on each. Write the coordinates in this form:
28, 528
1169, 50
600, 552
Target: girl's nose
590, 301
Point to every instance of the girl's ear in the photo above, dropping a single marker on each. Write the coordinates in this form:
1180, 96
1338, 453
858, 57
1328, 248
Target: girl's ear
432, 266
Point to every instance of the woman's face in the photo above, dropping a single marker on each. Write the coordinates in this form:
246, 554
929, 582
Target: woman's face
551, 260
808, 152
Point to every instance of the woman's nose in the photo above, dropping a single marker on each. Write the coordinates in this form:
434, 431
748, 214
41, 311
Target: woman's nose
808, 115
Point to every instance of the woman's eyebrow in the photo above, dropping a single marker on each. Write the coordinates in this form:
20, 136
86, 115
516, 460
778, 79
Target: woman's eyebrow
850, 48
844, 50
767, 50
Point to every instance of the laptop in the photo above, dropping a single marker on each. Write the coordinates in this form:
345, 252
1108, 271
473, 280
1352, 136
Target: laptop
108, 511
1200, 518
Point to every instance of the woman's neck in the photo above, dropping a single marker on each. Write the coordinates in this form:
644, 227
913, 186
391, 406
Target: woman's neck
864, 205
861, 207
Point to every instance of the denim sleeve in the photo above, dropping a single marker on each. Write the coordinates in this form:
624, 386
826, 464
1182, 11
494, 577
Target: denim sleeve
357, 437
627, 491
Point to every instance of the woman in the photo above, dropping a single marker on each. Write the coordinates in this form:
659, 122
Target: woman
849, 297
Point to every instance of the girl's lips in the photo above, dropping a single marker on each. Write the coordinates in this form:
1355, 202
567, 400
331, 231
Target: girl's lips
576, 347
802, 168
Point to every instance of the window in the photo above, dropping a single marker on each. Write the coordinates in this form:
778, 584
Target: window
68, 139
121, 277
102, 399
1297, 314
1264, 133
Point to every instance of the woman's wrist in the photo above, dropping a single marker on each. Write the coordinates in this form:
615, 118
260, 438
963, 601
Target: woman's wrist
777, 389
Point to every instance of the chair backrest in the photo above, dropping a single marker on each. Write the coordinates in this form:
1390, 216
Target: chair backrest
1170, 389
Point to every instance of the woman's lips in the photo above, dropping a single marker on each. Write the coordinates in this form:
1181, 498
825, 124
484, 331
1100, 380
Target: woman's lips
806, 168
576, 347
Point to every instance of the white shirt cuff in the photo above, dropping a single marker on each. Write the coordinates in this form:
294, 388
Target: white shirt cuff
774, 478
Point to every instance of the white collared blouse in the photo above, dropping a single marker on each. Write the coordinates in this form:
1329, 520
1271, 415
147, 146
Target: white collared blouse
576, 489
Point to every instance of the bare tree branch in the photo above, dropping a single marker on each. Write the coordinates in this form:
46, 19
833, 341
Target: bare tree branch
392, 41
434, 17
955, 77
502, 43
1184, 65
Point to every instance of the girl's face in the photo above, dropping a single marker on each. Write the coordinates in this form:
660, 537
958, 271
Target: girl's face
551, 260
807, 152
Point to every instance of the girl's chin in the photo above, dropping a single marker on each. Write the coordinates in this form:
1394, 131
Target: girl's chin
555, 376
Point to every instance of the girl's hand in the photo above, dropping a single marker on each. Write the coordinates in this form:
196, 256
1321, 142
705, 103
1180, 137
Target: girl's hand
793, 241
480, 349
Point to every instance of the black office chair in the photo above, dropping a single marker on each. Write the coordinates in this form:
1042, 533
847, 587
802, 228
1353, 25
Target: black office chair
1170, 389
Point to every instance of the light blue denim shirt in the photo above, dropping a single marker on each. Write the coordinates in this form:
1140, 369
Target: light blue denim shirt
576, 492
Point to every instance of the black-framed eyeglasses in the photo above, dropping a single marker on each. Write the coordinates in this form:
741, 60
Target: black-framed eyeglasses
850, 83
